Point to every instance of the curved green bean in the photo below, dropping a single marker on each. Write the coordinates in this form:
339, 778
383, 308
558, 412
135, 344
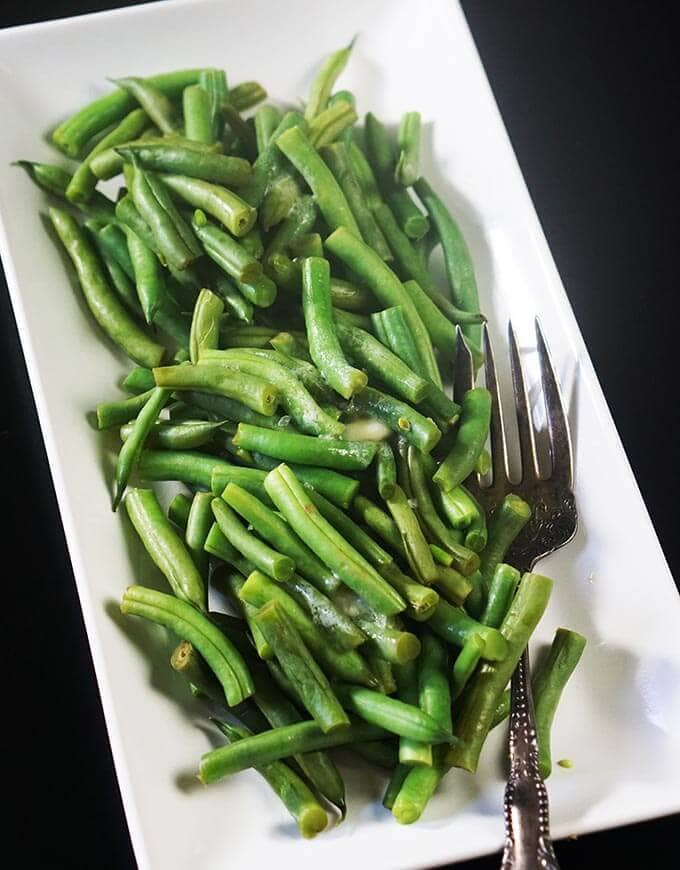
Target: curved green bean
306, 449
226, 207
421, 432
221, 380
102, 302
184, 620
133, 445
471, 435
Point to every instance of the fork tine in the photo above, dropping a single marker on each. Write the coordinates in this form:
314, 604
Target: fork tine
464, 371
525, 429
499, 451
558, 427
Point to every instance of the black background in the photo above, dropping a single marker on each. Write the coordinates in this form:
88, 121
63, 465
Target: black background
589, 93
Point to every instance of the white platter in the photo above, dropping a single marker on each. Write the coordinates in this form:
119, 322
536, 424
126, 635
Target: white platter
619, 719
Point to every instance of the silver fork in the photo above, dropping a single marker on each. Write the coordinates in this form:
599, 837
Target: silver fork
553, 524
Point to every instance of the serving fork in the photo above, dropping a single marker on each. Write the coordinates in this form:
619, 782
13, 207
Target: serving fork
553, 524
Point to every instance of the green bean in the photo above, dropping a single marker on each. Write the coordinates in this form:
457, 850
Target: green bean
82, 184
272, 529
381, 155
399, 774
465, 665
501, 590
471, 435
236, 304
459, 267
463, 511
229, 209
332, 549
148, 276
325, 79
505, 523
466, 561
246, 95
378, 521
327, 126
413, 541
227, 252
406, 171
393, 330
454, 626
453, 585
337, 488
113, 240
299, 666
154, 102
368, 266
349, 665
128, 215
324, 346
199, 523
295, 398
257, 394
104, 305
171, 157
421, 600
187, 466
420, 431
267, 119
411, 751
382, 670
184, 620
337, 158
172, 236
434, 694
230, 585
178, 510
417, 788
329, 196
273, 563
198, 119
186, 660
119, 277
205, 324
478, 704
110, 162
296, 796
132, 447
364, 174
548, 683
71, 135
214, 82
380, 362
385, 470
166, 548
280, 743
386, 639
306, 449
51, 179
116, 413
393, 715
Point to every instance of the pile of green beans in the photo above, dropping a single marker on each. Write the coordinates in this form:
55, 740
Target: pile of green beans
267, 276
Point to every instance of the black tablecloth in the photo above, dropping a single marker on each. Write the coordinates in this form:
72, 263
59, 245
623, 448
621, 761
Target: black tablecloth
589, 93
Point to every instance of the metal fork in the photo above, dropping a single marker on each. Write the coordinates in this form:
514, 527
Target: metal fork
553, 524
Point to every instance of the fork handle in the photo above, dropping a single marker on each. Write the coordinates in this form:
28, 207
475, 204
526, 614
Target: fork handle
527, 823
